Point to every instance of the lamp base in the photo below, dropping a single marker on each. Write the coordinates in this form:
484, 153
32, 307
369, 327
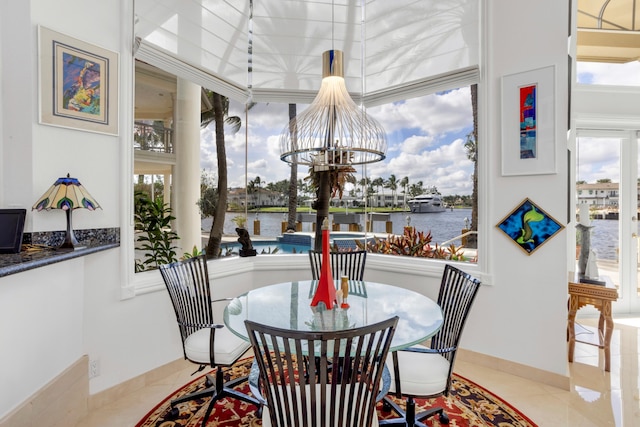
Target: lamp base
70, 246
70, 241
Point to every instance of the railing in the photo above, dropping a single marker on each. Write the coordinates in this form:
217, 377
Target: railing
154, 137
462, 237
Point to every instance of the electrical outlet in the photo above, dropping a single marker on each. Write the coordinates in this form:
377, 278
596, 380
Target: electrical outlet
94, 368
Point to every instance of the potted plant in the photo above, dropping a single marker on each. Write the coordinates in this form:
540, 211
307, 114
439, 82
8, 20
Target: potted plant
240, 221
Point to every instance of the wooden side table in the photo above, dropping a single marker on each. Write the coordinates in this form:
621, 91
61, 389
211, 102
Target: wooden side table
600, 297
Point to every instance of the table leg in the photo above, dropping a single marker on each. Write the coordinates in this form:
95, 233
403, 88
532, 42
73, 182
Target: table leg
571, 331
601, 322
608, 332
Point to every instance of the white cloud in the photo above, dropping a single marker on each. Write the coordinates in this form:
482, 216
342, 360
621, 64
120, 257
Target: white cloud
416, 144
433, 114
428, 152
609, 74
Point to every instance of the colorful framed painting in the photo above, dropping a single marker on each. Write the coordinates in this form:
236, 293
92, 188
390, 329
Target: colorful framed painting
529, 227
78, 84
528, 123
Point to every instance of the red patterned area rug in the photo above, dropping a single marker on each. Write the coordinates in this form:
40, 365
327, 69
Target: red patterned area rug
468, 404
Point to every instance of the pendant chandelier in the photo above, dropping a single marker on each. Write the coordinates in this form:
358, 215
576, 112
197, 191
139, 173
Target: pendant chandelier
333, 131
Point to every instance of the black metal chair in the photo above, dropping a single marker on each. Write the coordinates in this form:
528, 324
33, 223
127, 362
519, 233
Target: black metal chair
339, 390
349, 264
204, 342
423, 371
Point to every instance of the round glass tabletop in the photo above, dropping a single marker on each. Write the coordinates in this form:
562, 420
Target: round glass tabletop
287, 305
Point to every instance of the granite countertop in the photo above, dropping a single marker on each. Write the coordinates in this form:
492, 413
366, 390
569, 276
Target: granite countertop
39, 249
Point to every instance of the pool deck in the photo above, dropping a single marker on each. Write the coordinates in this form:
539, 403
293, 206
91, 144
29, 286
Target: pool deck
232, 238
229, 238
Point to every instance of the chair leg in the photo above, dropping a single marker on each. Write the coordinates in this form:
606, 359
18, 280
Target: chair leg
227, 389
218, 390
209, 391
390, 405
216, 396
442, 416
408, 418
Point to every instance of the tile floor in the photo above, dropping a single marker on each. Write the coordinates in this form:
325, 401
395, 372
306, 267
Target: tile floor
597, 398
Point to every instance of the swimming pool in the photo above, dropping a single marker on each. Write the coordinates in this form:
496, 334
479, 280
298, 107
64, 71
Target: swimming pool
271, 247
296, 243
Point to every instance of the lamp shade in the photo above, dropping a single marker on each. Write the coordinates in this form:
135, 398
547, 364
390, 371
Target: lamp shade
67, 194
333, 130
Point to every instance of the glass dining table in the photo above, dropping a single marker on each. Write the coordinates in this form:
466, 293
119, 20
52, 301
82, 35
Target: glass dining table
287, 305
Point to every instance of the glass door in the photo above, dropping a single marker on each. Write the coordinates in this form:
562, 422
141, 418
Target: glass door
607, 182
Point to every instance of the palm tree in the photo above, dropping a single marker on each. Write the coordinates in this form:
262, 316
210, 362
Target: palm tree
219, 114
251, 189
257, 187
293, 176
471, 145
379, 182
327, 184
392, 184
416, 189
404, 183
364, 184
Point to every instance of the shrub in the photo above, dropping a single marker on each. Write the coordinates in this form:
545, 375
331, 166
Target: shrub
412, 243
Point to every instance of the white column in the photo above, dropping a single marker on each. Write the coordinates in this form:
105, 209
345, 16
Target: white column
186, 183
167, 189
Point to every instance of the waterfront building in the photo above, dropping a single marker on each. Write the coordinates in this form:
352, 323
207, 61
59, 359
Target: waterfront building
599, 195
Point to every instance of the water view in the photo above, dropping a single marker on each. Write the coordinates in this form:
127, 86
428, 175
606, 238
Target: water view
604, 238
443, 225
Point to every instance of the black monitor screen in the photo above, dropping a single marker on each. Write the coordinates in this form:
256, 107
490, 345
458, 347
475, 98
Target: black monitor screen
11, 229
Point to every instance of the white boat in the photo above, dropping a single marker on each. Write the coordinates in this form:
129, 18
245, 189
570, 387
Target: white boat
427, 203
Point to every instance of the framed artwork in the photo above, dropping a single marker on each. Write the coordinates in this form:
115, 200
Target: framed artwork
528, 123
529, 227
78, 84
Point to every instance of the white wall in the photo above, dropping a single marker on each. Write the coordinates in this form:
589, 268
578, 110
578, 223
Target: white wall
93, 158
41, 328
519, 316
17, 89
44, 318
522, 316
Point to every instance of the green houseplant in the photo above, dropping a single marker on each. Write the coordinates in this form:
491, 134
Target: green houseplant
153, 226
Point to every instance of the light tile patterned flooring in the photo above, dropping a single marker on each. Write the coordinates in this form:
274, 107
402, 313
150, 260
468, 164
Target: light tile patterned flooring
596, 398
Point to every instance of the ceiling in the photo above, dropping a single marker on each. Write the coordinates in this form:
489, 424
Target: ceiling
271, 50
608, 31
208, 42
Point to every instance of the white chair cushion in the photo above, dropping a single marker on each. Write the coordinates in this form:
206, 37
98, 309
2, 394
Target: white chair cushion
420, 374
227, 349
266, 420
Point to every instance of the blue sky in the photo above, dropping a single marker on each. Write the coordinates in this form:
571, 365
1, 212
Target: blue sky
425, 138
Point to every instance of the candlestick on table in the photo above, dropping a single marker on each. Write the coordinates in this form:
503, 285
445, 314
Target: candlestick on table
326, 290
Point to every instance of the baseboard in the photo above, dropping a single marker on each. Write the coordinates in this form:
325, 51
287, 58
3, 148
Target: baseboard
60, 403
520, 370
65, 400
98, 400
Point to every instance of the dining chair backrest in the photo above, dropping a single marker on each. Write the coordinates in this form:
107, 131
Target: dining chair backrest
204, 341
457, 292
324, 378
348, 263
187, 282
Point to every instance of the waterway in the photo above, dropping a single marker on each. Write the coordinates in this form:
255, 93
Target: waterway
604, 238
442, 225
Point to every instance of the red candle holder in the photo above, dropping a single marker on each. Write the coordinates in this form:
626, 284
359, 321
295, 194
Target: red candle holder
326, 290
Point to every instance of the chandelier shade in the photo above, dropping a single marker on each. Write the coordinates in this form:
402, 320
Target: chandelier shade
333, 131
